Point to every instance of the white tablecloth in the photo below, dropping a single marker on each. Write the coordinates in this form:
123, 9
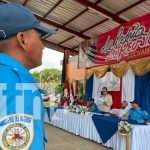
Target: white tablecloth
83, 126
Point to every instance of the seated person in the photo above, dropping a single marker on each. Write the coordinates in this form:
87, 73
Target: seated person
92, 107
46, 98
136, 113
123, 110
82, 102
76, 101
106, 101
64, 102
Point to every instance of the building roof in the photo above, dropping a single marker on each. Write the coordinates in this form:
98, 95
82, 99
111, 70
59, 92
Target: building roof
78, 20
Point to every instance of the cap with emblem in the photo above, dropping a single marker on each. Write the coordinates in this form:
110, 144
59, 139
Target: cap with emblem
134, 102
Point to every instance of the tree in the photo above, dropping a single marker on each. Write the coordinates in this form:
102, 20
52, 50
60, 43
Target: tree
36, 76
50, 79
59, 89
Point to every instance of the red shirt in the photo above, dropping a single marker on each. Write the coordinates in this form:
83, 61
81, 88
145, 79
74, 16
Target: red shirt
64, 102
82, 103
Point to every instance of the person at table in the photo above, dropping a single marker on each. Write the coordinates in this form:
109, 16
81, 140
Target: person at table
120, 112
92, 107
106, 101
64, 102
82, 102
46, 98
136, 113
76, 101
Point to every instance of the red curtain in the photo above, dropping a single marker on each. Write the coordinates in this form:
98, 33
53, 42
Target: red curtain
116, 96
68, 89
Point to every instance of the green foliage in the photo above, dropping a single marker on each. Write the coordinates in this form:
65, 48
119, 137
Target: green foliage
50, 79
36, 76
59, 89
79, 87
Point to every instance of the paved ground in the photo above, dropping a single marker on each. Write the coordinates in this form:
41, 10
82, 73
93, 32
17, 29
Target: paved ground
61, 140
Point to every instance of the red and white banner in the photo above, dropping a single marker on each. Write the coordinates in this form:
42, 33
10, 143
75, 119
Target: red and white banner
126, 42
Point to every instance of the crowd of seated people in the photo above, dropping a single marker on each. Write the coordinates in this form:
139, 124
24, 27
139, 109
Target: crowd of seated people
134, 112
78, 100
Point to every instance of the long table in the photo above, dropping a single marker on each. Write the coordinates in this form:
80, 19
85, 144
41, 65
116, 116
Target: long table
83, 126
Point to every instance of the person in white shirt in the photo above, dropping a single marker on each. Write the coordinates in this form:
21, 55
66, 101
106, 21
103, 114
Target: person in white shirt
107, 101
123, 110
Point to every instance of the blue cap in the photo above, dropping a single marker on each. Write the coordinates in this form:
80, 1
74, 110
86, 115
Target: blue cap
16, 18
91, 99
134, 102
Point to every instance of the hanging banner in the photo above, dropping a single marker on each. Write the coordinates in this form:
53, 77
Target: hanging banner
126, 42
87, 54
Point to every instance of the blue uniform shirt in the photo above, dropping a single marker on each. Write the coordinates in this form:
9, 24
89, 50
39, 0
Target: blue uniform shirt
24, 98
137, 114
94, 108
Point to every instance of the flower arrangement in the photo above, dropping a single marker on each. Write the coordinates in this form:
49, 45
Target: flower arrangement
124, 127
77, 109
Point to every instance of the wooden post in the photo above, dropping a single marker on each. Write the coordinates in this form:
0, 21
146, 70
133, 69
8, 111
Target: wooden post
66, 62
127, 141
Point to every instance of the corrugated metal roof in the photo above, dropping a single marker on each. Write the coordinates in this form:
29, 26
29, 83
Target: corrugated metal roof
76, 20
60, 36
15, 1
48, 25
41, 7
65, 11
136, 12
102, 28
115, 6
73, 42
86, 20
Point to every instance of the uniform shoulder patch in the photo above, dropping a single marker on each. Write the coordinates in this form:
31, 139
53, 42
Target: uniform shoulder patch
16, 132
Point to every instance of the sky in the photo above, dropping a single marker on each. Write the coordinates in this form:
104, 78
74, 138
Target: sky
51, 59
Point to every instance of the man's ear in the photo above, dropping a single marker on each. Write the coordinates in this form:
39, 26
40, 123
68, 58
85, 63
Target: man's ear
22, 40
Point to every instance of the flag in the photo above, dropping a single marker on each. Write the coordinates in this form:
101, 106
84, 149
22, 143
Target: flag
71, 93
67, 91
63, 75
67, 94
89, 88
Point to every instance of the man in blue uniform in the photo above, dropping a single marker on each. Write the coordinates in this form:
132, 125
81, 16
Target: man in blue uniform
92, 106
136, 113
21, 105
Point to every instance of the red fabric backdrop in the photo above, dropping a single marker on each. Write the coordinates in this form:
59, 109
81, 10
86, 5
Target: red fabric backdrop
116, 96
